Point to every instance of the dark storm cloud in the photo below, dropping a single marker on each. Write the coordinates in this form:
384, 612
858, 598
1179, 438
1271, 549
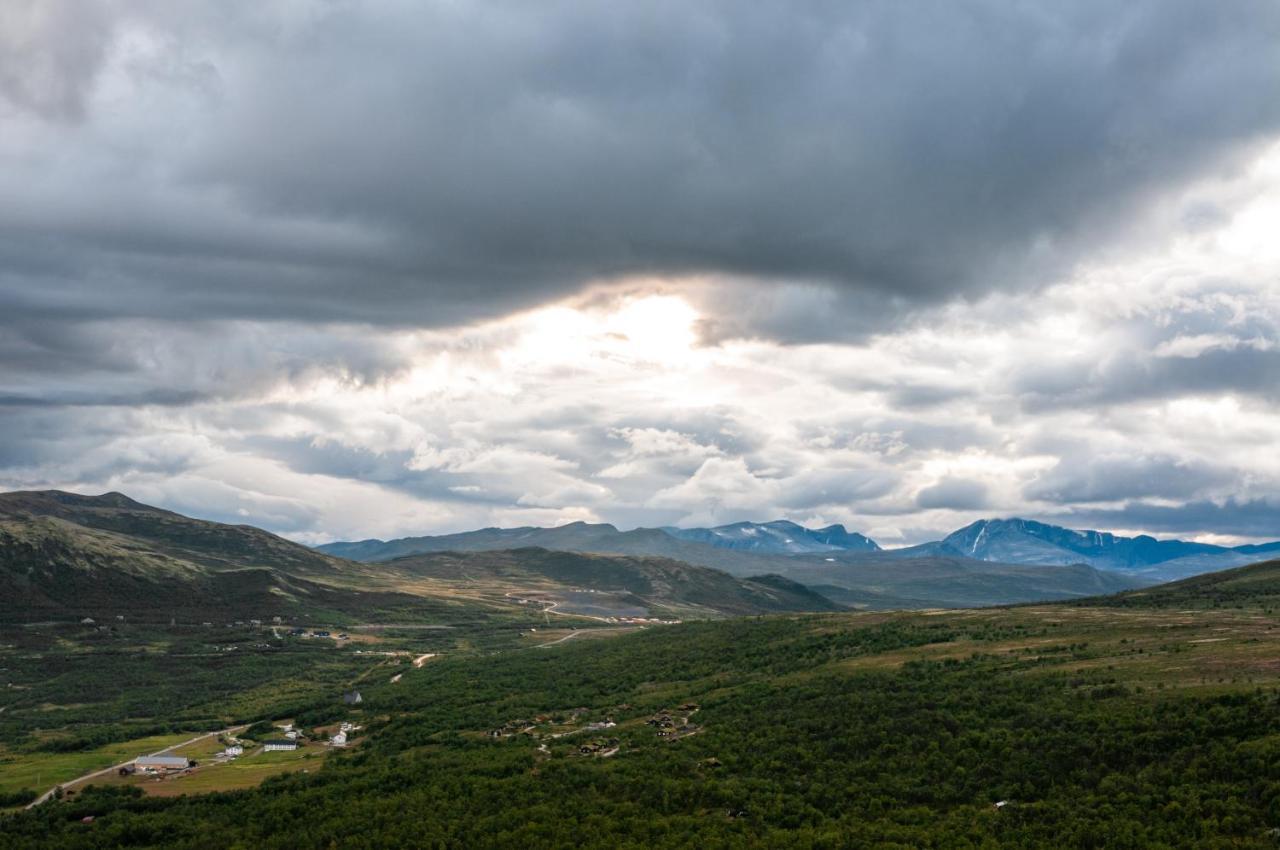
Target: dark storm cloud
1138, 376
1258, 518
421, 163
1109, 479
955, 494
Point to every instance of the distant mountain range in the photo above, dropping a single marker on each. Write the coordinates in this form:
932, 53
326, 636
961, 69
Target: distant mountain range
747, 548
848, 568
1024, 541
779, 537
722, 547
64, 554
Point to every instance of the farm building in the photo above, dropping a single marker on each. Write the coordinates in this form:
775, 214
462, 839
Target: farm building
233, 751
352, 698
339, 739
162, 763
279, 745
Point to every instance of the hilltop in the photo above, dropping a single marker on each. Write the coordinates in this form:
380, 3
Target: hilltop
155, 535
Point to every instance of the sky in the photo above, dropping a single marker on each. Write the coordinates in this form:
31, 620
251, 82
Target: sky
348, 269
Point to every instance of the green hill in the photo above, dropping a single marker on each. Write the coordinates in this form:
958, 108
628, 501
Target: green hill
1255, 585
604, 585
163, 537
66, 556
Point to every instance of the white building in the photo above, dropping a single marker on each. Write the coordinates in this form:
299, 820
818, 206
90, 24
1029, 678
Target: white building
161, 762
339, 739
278, 746
233, 751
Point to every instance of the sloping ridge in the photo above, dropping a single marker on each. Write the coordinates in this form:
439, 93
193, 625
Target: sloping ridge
661, 583
64, 554
1255, 584
213, 545
879, 580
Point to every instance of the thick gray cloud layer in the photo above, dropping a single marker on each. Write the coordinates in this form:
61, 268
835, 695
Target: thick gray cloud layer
420, 162
883, 263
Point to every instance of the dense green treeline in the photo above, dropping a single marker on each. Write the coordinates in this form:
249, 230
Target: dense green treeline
803, 740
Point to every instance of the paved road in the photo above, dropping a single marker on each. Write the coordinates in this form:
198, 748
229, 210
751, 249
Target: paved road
115, 767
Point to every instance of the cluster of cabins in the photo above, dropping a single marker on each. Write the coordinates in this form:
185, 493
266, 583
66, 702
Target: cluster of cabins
672, 725
162, 764
339, 738
600, 747
514, 727
291, 741
317, 633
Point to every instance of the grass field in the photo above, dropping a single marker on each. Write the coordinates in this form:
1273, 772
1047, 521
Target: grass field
42, 770
1152, 648
247, 771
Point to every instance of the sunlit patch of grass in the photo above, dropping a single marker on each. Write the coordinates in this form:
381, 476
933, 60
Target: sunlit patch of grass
41, 770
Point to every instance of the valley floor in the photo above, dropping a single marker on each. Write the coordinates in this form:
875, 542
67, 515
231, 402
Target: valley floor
1137, 722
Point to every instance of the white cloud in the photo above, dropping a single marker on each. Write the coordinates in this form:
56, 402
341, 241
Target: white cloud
1132, 378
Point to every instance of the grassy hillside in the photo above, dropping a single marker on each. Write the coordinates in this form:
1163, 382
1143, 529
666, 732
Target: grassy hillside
54, 569
163, 537
656, 586
878, 582
1256, 585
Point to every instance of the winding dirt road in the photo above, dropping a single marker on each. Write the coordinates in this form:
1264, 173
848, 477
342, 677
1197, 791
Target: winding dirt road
560, 640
